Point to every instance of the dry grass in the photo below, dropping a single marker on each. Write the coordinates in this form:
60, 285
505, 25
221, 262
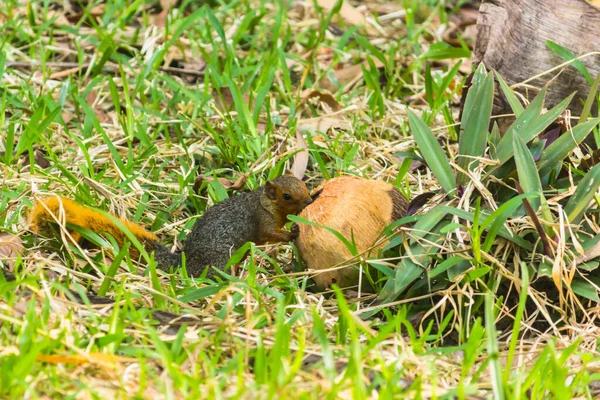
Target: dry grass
141, 116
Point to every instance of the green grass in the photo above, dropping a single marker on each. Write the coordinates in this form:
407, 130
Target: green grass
152, 123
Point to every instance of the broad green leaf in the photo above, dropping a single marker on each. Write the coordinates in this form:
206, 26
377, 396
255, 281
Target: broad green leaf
497, 219
505, 233
445, 265
564, 145
475, 124
527, 172
478, 77
586, 289
586, 189
432, 153
533, 111
513, 100
529, 124
568, 55
408, 270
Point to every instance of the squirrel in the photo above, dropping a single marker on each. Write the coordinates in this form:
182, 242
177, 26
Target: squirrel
256, 216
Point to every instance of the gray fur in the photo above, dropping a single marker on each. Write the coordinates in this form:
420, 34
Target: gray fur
224, 228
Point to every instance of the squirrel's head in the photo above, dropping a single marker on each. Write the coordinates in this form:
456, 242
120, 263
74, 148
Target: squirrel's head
288, 194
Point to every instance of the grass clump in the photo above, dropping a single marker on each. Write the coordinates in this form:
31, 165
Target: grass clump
154, 110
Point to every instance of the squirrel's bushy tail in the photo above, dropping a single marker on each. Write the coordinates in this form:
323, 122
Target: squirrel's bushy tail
59, 209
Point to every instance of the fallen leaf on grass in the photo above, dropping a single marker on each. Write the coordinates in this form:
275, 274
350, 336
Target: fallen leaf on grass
322, 124
227, 184
300, 158
323, 97
224, 98
10, 247
95, 12
102, 115
161, 19
348, 12
346, 75
39, 157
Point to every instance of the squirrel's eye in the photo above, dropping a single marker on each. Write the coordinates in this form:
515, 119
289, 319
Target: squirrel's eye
286, 196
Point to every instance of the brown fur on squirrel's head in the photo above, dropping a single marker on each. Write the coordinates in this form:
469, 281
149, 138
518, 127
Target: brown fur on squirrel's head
288, 193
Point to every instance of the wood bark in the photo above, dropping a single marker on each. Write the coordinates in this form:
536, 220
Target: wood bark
511, 39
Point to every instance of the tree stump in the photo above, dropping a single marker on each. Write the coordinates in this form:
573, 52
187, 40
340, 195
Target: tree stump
511, 39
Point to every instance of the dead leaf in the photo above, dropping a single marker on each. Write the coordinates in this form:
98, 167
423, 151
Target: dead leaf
346, 75
348, 12
39, 157
67, 116
161, 19
324, 97
65, 73
10, 247
322, 124
102, 115
300, 158
95, 12
224, 99
227, 184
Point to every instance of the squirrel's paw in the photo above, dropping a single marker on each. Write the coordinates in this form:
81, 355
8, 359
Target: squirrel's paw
295, 230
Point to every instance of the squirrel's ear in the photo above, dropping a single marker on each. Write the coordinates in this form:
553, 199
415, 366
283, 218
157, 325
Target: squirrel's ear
288, 172
271, 190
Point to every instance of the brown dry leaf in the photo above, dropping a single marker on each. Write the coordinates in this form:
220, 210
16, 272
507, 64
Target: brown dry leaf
95, 12
227, 184
67, 116
161, 19
102, 115
346, 75
324, 97
39, 158
348, 12
300, 158
224, 99
322, 124
10, 247
65, 73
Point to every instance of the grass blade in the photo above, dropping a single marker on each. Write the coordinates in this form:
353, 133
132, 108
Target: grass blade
529, 124
478, 78
527, 171
513, 100
578, 203
493, 352
564, 145
587, 106
475, 123
432, 153
568, 55
497, 219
